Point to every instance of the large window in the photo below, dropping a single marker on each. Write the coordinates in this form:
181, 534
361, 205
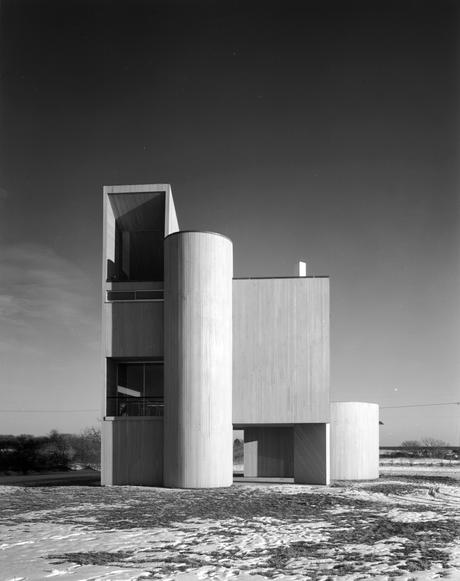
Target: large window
138, 255
135, 388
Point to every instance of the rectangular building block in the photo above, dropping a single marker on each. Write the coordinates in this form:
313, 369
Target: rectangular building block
280, 350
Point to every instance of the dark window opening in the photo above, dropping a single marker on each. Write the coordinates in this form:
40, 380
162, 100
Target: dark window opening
137, 235
137, 295
138, 255
121, 296
135, 388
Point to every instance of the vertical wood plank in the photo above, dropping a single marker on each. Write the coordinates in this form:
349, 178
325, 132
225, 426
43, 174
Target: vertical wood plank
132, 451
311, 454
268, 452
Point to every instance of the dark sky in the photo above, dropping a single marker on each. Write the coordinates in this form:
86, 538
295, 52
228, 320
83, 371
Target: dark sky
325, 131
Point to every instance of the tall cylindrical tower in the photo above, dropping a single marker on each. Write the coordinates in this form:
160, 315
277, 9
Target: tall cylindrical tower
198, 360
354, 440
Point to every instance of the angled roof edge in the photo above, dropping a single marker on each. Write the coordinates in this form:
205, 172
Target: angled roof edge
171, 222
139, 188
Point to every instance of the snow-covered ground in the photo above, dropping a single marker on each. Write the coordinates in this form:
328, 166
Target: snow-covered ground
406, 528
421, 470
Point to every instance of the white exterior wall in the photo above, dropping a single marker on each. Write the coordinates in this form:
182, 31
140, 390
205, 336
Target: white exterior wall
198, 360
354, 441
171, 223
281, 351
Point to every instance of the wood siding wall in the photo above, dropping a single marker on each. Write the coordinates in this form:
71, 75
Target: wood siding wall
268, 452
134, 329
280, 350
198, 360
354, 441
312, 454
132, 451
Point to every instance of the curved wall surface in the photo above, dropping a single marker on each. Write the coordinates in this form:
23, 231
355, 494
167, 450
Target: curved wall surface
354, 441
198, 360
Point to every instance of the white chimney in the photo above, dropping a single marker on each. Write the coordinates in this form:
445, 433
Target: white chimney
302, 268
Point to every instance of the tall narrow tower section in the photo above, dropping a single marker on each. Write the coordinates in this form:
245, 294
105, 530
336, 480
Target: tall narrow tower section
198, 360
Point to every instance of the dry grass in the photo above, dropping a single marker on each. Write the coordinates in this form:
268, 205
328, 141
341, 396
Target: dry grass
355, 531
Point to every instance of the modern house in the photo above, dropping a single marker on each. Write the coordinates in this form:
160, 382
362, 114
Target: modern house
192, 353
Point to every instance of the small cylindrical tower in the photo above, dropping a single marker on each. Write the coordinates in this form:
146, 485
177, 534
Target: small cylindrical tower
198, 360
354, 440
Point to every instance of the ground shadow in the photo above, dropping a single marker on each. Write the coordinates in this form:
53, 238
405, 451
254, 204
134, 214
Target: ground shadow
85, 477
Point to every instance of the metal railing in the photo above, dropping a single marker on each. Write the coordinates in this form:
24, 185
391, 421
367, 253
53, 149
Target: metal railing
139, 406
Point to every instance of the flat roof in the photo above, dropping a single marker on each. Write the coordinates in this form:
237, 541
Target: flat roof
279, 277
136, 188
198, 232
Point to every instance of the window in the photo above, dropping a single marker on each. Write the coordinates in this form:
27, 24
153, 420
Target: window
136, 295
138, 255
121, 296
135, 388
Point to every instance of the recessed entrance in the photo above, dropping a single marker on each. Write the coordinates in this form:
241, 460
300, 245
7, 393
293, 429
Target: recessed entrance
268, 452
298, 452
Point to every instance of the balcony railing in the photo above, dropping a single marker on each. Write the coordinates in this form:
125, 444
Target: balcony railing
139, 406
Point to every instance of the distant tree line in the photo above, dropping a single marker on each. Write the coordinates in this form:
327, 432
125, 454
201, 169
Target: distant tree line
425, 448
56, 451
238, 451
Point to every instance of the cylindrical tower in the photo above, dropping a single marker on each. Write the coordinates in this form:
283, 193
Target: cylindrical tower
354, 440
198, 360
